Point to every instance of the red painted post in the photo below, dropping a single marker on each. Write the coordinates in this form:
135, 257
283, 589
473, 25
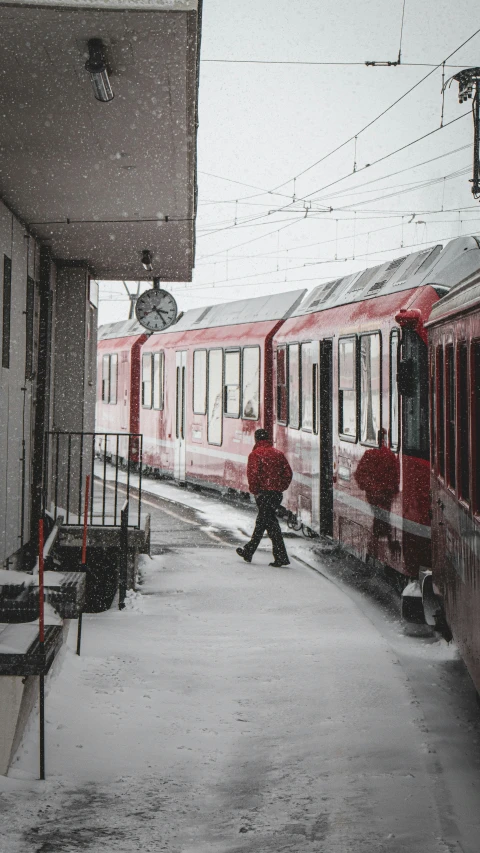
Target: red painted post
84, 554
41, 601
41, 636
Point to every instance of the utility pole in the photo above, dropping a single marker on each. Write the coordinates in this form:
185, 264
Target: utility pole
469, 88
133, 299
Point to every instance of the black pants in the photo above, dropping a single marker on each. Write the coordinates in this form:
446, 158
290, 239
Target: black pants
268, 503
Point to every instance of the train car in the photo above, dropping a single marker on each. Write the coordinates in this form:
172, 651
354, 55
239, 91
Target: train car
351, 377
118, 384
451, 593
207, 386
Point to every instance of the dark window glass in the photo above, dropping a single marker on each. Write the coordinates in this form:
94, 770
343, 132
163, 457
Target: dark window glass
282, 392
347, 393
231, 392
113, 378
394, 398
463, 443
294, 386
29, 327
106, 378
415, 400
450, 377
251, 383
158, 379
370, 378
315, 397
7, 310
200, 381
476, 420
147, 380
306, 373
440, 411
433, 404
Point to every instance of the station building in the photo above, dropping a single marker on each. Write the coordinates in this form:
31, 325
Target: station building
99, 114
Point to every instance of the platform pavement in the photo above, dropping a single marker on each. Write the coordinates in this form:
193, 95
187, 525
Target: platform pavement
231, 708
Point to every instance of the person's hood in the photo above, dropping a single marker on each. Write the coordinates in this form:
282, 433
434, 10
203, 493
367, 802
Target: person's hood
264, 443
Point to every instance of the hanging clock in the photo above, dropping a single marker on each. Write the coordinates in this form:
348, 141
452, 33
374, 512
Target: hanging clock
156, 309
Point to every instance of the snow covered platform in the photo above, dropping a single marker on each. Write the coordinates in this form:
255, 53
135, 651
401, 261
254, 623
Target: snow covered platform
231, 708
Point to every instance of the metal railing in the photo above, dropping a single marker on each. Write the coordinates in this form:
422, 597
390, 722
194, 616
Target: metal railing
114, 463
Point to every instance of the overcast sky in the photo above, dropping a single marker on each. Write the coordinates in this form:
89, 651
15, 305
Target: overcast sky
264, 124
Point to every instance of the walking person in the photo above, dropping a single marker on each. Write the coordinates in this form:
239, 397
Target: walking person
269, 475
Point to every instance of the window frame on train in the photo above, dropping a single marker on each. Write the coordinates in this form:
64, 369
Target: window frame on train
282, 387
199, 384
439, 380
367, 392
108, 396
158, 387
352, 438
463, 422
147, 380
232, 354
393, 392
451, 414
211, 353
248, 417
475, 422
307, 390
294, 387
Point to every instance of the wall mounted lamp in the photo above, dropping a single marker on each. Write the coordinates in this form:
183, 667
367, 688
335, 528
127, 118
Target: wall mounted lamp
97, 68
147, 260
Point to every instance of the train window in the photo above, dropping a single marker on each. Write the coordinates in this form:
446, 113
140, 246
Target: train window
475, 361
370, 388
158, 379
440, 411
7, 310
282, 391
113, 379
251, 383
394, 398
231, 391
315, 397
307, 387
106, 378
200, 381
463, 443
415, 401
433, 404
450, 396
147, 380
214, 396
294, 386
347, 393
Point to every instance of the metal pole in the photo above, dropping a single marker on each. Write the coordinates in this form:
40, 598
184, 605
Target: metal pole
122, 585
84, 555
41, 637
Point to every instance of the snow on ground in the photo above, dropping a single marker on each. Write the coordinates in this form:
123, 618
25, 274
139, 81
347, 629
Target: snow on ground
229, 708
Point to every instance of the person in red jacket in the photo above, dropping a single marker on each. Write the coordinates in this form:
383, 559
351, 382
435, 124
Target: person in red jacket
269, 475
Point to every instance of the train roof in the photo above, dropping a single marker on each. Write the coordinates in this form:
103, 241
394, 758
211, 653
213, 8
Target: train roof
440, 266
462, 297
260, 309
121, 329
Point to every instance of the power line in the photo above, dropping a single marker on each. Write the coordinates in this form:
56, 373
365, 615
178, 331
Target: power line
326, 63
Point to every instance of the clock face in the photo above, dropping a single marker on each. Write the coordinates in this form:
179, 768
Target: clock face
156, 310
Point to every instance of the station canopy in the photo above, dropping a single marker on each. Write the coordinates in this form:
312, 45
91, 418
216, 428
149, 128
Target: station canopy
100, 182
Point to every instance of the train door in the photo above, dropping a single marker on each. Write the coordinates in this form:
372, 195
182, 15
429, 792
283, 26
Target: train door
326, 442
180, 415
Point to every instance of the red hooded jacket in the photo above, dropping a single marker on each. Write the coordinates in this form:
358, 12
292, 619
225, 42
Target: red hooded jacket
268, 469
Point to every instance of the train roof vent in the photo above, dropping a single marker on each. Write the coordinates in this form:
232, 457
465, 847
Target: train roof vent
394, 265
365, 277
325, 293
377, 286
202, 316
419, 261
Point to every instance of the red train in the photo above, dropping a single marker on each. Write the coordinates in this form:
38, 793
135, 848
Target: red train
451, 592
341, 379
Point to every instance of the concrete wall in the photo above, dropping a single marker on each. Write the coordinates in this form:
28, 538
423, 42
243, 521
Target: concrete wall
16, 390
